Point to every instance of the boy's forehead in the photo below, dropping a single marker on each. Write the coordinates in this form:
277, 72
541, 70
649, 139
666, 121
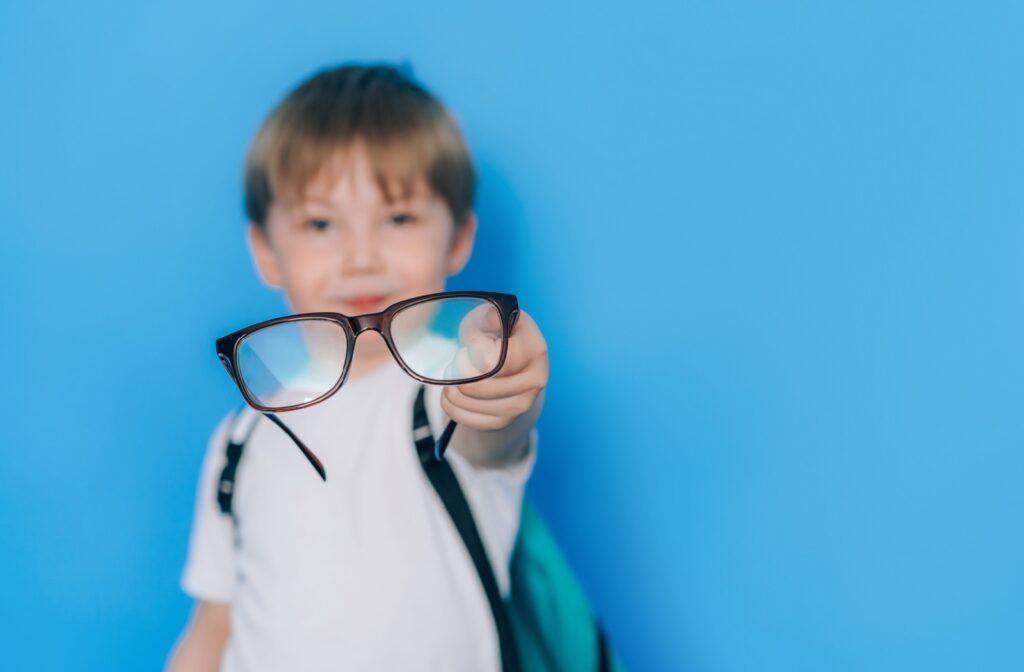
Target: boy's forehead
337, 181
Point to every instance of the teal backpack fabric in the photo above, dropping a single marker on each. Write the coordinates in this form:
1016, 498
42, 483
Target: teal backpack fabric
554, 626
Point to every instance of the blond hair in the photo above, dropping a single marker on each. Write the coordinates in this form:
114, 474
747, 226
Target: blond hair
406, 131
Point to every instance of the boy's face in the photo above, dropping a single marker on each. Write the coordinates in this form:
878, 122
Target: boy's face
343, 247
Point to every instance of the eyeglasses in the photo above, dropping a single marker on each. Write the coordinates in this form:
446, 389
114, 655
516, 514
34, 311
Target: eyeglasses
292, 362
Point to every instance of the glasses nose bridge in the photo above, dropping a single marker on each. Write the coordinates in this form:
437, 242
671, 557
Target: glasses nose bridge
370, 322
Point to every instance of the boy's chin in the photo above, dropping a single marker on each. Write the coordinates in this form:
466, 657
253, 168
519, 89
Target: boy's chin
370, 348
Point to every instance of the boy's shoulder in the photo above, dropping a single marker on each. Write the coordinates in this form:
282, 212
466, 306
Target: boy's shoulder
233, 425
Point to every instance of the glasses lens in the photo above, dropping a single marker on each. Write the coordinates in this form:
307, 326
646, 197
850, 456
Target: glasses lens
291, 363
450, 339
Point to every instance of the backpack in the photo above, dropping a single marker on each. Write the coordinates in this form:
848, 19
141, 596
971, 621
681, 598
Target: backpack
546, 623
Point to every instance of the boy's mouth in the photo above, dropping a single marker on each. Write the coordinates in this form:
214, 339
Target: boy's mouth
367, 304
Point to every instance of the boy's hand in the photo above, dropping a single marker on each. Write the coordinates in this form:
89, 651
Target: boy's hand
503, 408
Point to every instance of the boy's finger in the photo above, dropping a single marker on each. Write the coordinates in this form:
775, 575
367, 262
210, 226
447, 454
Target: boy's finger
497, 387
517, 357
525, 345
475, 358
481, 335
460, 366
510, 406
482, 319
484, 352
472, 419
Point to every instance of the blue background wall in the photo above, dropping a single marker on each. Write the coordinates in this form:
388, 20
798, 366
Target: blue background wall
808, 457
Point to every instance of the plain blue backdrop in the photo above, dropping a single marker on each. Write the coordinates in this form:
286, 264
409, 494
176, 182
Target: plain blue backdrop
775, 248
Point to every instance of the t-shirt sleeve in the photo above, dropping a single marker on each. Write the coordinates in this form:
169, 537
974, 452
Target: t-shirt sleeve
496, 497
209, 572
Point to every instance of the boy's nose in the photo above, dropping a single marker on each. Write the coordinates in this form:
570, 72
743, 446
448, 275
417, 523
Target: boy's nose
361, 252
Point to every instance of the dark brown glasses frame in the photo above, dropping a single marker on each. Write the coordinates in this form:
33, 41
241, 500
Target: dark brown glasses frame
353, 326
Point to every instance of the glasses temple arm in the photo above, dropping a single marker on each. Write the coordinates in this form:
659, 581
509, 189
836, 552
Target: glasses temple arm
298, 442
439, 447
442, 443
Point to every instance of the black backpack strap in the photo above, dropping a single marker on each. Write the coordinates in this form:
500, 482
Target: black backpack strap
241, 429
604, 659
441, 476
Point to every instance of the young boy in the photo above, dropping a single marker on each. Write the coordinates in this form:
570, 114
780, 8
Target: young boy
359, 193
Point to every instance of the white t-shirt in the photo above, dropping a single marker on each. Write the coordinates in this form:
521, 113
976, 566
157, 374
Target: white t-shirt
367, 570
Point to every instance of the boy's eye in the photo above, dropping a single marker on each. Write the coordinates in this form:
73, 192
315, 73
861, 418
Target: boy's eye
401, 218
318, 224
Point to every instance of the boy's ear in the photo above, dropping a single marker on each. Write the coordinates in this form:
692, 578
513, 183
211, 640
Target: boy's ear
462, 245
263, 257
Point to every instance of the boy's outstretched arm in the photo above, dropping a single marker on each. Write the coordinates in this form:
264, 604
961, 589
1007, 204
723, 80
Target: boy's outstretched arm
202, 644
495, 415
